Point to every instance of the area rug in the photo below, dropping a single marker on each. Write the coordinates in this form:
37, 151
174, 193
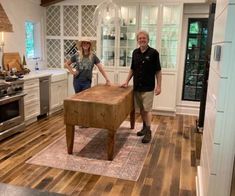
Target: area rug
90, 153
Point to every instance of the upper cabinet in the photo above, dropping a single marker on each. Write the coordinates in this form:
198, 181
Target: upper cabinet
127, 40
171, 26
163, 23
149, 22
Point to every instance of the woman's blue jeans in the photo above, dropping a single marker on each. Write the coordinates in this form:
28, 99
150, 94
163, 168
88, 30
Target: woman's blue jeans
81, 86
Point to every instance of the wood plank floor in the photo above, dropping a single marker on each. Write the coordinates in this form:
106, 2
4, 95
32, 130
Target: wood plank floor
169, 169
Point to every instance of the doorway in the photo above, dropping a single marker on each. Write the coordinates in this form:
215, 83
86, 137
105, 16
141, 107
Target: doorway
195, 59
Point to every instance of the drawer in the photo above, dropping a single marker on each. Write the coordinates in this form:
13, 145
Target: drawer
28, 84
32, 109
32, 94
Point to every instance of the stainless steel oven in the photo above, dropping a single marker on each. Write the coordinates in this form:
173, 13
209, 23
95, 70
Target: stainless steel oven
12, 111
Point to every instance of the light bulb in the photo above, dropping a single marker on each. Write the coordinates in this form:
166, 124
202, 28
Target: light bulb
107, 17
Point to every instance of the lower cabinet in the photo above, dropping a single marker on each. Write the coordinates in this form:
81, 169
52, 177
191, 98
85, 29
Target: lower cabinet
59, 91
32, 99
165, 103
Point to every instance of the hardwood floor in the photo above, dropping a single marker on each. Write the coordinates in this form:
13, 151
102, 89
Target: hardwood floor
169, 169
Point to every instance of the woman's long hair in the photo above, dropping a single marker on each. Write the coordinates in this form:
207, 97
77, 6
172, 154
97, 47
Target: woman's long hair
81, 52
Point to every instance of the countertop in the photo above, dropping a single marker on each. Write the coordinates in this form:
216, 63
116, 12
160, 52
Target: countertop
56, 74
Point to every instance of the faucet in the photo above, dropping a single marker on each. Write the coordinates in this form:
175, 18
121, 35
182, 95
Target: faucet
36, 63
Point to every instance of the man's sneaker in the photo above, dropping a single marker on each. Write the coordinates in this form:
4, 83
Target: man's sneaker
141, 132
147, 138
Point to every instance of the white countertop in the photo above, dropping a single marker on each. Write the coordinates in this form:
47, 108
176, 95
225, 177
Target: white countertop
56, 74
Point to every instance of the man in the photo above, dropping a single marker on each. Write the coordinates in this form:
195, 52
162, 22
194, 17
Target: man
145, 67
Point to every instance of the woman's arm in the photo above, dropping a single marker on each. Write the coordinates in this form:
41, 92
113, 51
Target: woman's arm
68, 66
101, 69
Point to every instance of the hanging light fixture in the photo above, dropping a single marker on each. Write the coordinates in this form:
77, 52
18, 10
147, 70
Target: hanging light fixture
5, 26
107, 13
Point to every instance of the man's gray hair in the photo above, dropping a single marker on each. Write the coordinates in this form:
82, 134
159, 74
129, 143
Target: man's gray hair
142, 32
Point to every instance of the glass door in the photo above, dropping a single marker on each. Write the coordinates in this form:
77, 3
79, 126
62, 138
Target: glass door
170, 36
149, 23
128, 31
195, 60
107, 45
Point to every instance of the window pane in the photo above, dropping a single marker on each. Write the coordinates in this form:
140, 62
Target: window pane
29, 39
194, 28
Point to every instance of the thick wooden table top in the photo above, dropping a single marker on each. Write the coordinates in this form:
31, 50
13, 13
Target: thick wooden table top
101, 106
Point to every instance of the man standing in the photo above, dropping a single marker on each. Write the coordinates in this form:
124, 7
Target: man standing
145, 67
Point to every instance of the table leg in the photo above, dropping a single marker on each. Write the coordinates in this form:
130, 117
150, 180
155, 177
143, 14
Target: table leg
111, 142
70, 138
132, 118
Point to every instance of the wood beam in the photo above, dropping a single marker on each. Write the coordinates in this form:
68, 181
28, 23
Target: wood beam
45, 3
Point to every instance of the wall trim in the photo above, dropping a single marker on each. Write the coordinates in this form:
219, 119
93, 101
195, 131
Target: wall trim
187, 110
199, 185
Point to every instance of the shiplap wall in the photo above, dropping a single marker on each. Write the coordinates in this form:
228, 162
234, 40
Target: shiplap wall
218, 146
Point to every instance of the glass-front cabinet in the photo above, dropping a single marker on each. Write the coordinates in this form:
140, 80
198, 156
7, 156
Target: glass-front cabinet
128, 29
149, 23
107, 45
170, 36
163, 22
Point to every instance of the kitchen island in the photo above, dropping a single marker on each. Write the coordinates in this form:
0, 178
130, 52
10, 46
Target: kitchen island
101, 107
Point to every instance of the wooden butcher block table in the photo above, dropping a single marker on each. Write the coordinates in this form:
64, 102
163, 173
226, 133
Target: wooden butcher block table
101, 106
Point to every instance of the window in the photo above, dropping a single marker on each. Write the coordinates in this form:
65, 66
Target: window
195, 60
32, 40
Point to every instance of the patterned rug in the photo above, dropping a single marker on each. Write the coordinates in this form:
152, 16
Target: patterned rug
90, 153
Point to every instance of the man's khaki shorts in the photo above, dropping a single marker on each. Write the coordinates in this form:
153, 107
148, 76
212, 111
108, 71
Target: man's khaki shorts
144, 100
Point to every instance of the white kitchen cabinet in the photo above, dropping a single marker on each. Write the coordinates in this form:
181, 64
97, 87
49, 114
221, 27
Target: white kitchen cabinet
116, 43
165, 102
32, 99
59, 91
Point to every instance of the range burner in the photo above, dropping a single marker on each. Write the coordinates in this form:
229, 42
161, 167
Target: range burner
11, 88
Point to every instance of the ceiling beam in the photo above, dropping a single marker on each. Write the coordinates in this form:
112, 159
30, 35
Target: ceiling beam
45, 3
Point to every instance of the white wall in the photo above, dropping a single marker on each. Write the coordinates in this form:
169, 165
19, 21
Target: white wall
218, 144
18, 11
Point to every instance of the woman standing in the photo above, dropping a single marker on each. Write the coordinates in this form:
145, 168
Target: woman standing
84, 61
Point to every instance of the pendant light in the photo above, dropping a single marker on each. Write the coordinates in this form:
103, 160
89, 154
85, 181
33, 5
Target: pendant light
107, 13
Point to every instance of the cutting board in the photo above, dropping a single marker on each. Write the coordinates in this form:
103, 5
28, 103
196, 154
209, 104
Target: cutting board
12, 59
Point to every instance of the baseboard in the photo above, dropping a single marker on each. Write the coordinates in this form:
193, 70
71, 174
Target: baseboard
54, 110
163, 113
199, 185
187, 110
30, 121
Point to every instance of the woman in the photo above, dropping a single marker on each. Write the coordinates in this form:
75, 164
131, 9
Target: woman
84, 61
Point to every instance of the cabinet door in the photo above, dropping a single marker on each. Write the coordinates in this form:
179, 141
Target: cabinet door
127, 39
54, 95
111, 75
32, 99
59, 92
171, 25
149, 22
62, 92
122, 75
166, 101
107, 45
